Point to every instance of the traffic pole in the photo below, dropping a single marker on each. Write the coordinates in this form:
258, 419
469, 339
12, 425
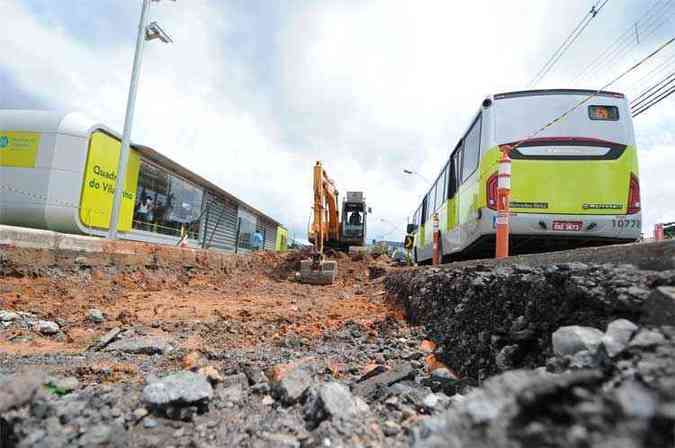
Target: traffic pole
436, 256
503, 207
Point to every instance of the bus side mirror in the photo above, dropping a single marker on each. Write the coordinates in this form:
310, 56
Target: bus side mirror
411, 228
370, 210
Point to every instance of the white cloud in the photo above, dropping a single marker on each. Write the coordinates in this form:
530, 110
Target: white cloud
368, 87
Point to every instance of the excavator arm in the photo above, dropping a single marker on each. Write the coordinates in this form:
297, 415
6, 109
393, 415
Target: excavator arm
324, 230
325, 224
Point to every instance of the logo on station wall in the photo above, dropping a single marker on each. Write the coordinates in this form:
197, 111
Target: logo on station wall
4, 141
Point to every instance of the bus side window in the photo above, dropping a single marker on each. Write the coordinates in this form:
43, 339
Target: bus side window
452, 179
430, 204
457, 162
440, 190
424, 210
471, 149
432, 200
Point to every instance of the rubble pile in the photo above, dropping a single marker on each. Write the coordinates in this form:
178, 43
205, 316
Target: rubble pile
487, 320
612, 394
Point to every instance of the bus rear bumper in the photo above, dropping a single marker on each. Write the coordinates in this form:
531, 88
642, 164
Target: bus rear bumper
621, 227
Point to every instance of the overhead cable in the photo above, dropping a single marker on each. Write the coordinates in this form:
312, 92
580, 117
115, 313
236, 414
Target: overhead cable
654, 102
648, 23
654, 89
567, 43
586, 99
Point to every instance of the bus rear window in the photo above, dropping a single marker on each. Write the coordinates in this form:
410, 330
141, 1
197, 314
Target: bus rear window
604, 113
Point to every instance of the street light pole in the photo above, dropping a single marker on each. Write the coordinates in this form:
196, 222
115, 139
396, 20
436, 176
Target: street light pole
417, 174
145, 32
120, 181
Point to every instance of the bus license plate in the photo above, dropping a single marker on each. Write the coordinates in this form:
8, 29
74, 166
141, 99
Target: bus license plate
569, 226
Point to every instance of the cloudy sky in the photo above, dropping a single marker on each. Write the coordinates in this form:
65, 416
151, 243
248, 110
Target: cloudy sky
252, 92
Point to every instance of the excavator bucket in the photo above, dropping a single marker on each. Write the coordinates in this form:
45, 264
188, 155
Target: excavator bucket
317, 272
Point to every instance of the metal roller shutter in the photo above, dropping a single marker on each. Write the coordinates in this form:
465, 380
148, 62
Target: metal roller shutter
220, 224
269, 230
270, 236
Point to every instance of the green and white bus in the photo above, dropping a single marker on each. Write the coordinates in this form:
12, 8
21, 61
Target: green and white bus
574, 184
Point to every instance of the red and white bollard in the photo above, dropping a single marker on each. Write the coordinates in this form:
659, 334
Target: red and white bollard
503, 208
658, 232
436, 255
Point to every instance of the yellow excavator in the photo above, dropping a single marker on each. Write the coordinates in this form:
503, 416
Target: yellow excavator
326, 229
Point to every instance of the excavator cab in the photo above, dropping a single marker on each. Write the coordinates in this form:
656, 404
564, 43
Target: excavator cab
354, 215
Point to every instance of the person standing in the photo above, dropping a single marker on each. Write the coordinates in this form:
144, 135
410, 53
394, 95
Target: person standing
258, 240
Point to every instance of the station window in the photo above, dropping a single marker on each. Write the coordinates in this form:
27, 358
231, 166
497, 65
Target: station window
471, 149
166, 204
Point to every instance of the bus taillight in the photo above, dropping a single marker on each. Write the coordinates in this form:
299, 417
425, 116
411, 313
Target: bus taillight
492, 192
633, 195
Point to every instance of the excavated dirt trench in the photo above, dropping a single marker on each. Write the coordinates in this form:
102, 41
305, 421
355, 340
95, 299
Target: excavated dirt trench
253, 303
459, 355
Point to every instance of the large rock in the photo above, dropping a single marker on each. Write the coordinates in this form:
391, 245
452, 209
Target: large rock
659, 308
618, 336
95, 316
106, 339
333, 400
292, 384
183, 388
47, 327
8, 316
647, 338
369, 387
143, 345
573, 339
19, 390
104, 436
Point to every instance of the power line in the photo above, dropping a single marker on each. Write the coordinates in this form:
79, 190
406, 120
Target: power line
646, 94
567, 43
647, 22
657, 100
653, 95
586, 99
648, 32
667, 63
